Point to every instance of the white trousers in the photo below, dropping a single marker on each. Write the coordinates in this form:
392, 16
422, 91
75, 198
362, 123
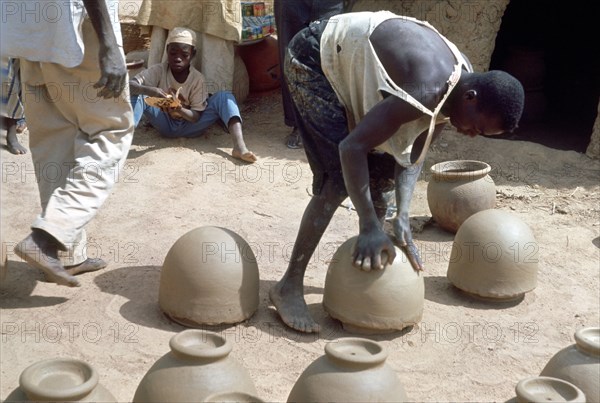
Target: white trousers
78, 144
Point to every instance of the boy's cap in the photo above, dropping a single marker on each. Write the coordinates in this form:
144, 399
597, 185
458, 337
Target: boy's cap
182, 35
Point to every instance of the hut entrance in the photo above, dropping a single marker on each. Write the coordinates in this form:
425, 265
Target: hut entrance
552, 49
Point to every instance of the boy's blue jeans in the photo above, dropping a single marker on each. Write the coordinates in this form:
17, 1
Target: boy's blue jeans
221, 105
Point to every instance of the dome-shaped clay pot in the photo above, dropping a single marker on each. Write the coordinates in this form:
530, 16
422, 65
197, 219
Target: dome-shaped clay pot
579, 363
459, 189
541, 389
60, 379
198, 366
494, 256
209, 277
376, 301
352, 370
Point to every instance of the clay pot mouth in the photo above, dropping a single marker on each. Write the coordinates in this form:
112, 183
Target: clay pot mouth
588, 340
200, 344
460, 169
239, 397
58, 379
356, 351
545, 388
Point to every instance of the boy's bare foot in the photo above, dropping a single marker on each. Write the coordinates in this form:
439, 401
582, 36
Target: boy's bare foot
88, 265
13, 145
292, 309
38, 251
247, 156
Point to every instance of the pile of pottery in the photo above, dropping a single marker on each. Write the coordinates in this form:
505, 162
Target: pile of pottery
199, 368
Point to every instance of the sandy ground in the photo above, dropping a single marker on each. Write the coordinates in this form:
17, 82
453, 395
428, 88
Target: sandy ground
463, 350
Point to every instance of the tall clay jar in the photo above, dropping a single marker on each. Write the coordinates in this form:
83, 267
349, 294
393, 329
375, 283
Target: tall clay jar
62, 380
198, 366
459, 189
579, 363
352, 370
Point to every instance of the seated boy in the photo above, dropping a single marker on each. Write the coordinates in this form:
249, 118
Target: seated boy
197, 110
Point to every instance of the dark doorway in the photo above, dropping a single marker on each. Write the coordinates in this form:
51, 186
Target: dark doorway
553, 49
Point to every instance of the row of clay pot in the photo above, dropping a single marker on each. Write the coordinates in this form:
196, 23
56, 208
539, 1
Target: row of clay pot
199, 368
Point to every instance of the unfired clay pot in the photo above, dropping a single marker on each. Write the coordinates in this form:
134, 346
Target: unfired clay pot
352, 370
541, 389
198, 366
459, 189
376, 301
60, 379
209, 277
238, 397
494, 256
579, 363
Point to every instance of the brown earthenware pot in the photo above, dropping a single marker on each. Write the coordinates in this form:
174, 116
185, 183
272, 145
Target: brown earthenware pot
376, 301
352, 370
60, 379
459, 189
579, 363
198, 366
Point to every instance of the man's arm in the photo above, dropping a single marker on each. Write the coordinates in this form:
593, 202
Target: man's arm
112, 64
378, 125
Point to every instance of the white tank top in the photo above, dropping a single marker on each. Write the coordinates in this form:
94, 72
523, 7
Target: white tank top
358, 78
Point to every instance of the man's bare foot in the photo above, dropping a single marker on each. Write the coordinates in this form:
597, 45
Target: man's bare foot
88, 265
21, 126
37, 250
292, 309
247, 156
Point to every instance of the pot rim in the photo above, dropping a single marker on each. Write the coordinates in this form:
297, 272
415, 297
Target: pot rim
588, 340
525, 394
339, 351
30, 380
200, 344
471, 168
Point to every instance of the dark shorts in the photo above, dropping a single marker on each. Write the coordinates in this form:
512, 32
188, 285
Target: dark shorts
320, 116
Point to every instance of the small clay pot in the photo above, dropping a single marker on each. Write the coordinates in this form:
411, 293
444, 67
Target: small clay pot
541, 389
376, 301
459, 189
494, 256
352, 370
209, 277
579, 363
198, 366
60, 379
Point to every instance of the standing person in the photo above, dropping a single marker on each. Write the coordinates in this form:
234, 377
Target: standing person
371, 91
13, 115
291, 16
196, 110
80, 123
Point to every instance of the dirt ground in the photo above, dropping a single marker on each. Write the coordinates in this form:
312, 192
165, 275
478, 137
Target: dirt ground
463, 350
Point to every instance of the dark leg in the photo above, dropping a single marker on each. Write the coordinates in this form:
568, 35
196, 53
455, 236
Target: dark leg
288, 294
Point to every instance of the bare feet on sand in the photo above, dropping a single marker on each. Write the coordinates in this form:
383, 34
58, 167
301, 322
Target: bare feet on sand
292, 308
247, 156
40, 251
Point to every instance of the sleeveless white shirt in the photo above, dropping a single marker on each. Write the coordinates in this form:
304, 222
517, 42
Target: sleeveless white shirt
359, 79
